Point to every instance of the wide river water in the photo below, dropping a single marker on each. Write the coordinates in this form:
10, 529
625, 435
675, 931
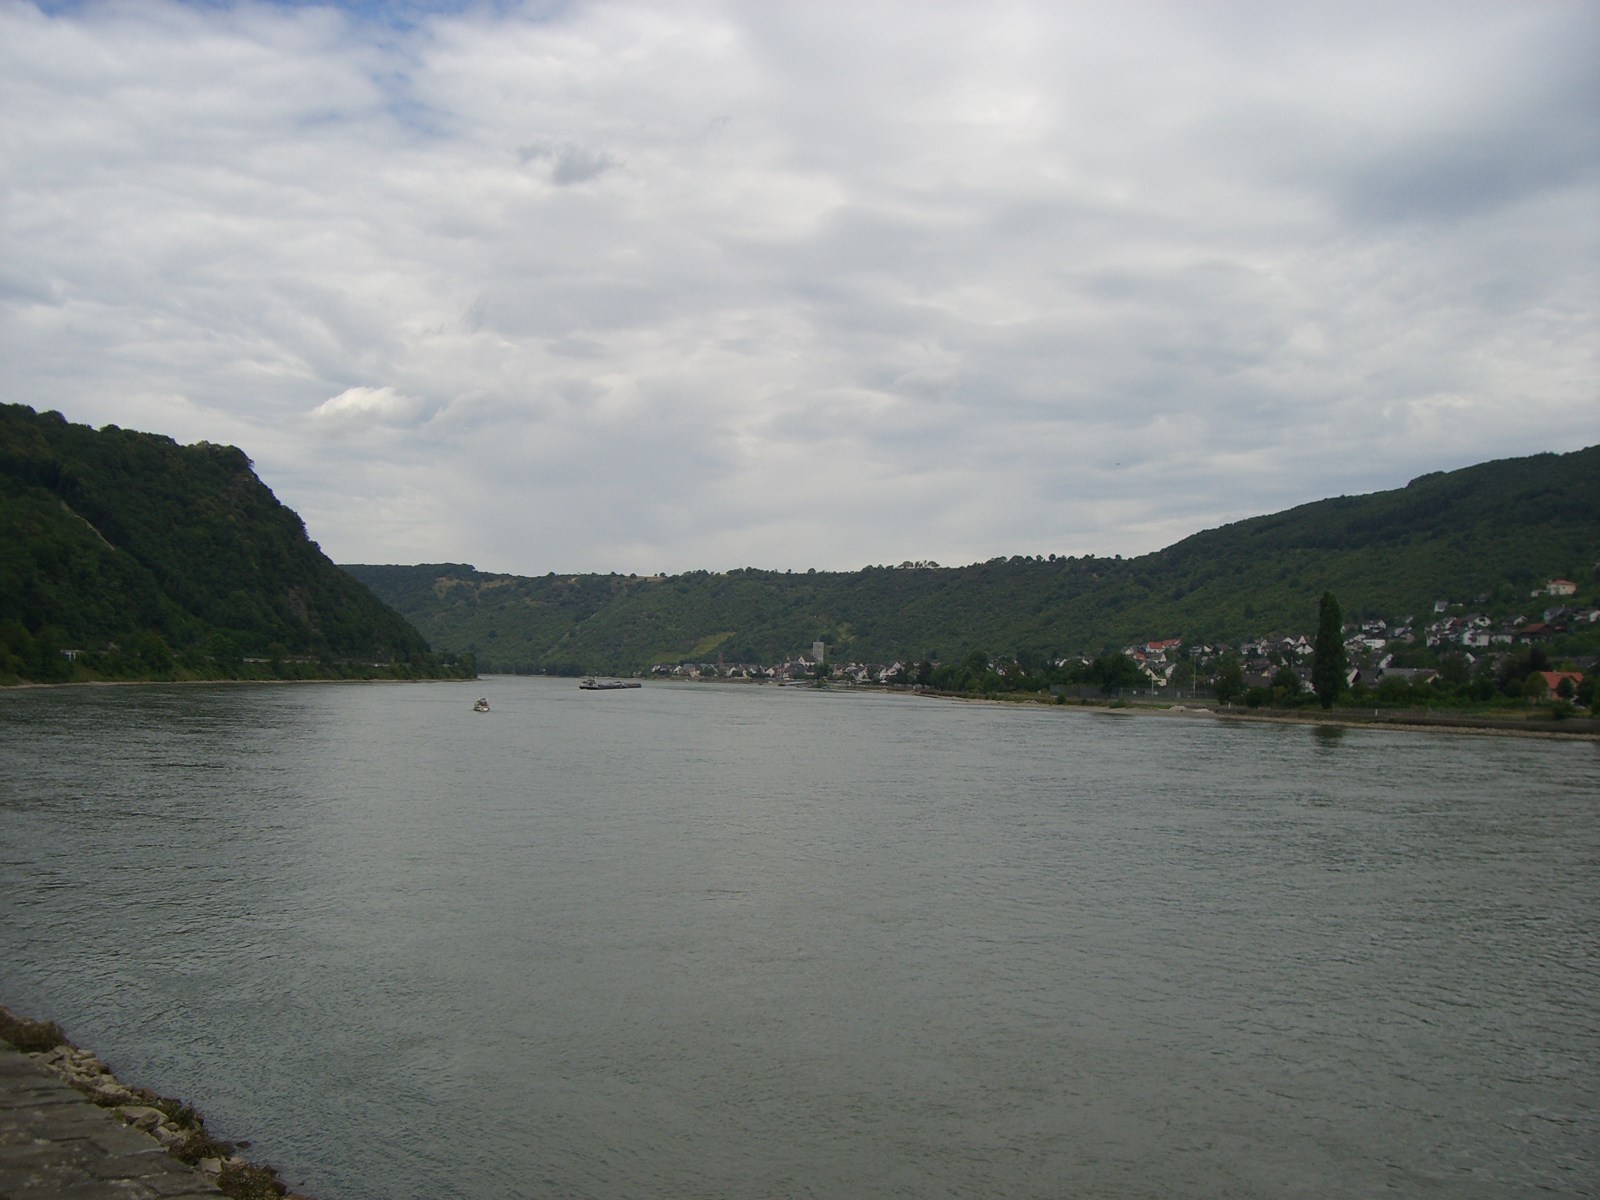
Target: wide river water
749, 942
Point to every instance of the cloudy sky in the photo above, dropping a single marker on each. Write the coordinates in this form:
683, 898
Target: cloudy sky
636, 286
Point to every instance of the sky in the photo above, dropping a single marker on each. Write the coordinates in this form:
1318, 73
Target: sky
669, 285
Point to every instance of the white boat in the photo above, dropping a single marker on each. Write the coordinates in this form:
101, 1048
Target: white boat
481, 704
591, 684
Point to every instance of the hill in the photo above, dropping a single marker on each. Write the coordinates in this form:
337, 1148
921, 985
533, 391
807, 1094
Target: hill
142, 558
1486, 534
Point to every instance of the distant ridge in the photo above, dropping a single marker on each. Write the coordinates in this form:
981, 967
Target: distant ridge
126, 555
1486, 534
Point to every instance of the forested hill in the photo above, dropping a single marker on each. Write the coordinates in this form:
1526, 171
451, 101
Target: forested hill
126, 555
1487, 535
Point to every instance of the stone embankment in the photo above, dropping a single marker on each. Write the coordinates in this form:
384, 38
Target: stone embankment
173, 1125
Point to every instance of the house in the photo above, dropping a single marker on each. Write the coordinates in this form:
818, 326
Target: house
1557, 587
1409, 674
1552, 679
1155, 676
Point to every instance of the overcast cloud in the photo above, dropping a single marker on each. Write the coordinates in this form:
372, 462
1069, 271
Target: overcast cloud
633, 286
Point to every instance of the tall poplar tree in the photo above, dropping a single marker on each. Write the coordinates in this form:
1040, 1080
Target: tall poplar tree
1327, 654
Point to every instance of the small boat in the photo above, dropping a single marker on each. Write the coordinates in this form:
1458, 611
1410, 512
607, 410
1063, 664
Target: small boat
481, 704
591, 684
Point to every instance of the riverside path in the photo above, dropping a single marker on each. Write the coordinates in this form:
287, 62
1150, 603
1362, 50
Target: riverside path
56, 1144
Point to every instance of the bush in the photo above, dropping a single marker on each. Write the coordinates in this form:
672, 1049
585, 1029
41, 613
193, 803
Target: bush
245, 1181
199, 1144
29, 1036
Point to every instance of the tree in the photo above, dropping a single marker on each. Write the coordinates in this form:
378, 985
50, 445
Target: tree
1514, 669
1114, 672
1327, 654
1229, 685
1286, 681
1454, 670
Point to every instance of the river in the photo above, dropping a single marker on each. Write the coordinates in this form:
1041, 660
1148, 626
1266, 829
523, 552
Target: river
723, 941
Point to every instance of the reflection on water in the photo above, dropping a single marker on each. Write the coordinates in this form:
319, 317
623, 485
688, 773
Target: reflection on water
713, 941
1327, 737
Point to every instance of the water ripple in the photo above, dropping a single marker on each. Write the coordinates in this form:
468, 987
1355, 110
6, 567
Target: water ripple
745, 942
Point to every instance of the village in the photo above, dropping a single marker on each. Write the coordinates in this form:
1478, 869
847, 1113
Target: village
1386, 659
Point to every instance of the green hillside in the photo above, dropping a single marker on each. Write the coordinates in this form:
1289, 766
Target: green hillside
1485, 535
144, 558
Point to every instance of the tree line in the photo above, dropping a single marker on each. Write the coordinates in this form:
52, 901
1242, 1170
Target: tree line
1488, 534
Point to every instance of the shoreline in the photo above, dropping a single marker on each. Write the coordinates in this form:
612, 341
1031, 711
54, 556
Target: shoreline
172, 1125
1397, 720
1583, 728
1400, 720
26, 684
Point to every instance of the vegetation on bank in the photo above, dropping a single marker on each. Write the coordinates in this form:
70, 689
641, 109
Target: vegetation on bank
1511, 684
124, 555
45, 659
28, 1035
1487, 535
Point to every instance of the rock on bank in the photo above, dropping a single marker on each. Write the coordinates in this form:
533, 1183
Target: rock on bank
53, 1141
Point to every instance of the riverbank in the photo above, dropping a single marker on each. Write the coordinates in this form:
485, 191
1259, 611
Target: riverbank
1405, 720
49, 1139
1582, 728
27, 684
